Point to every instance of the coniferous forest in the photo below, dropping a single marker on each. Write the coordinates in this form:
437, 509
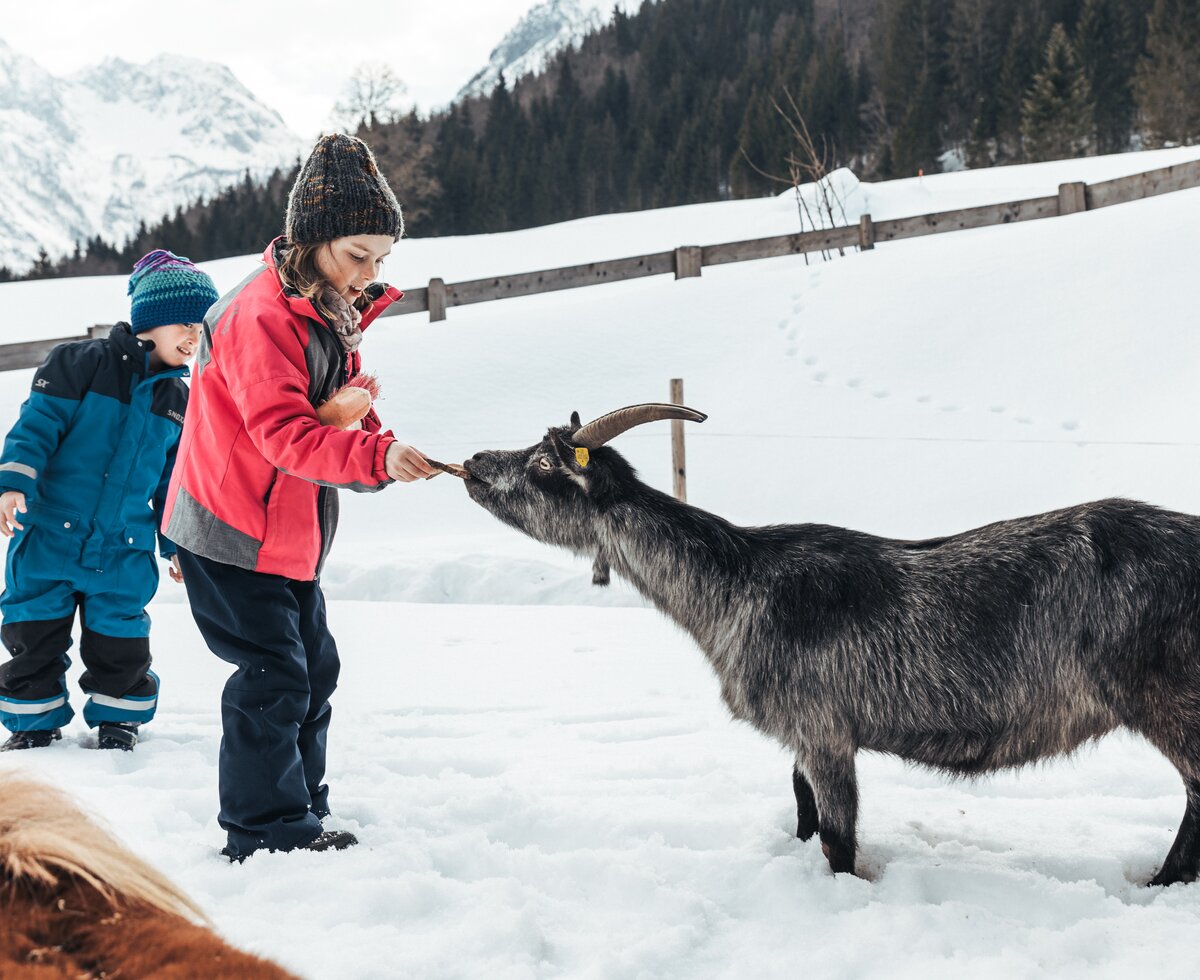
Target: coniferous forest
684, 102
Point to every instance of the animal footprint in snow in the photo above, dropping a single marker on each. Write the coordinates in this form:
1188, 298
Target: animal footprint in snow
1024, 420
997, 409
854, 382
783, 324
810, 360
881, 393
820, 376
947, 408
922, 399
1070, 425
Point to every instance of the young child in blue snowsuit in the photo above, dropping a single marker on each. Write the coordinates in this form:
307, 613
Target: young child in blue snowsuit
83, 478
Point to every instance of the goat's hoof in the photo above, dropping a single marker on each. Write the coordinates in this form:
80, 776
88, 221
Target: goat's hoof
1172, 876
840, 863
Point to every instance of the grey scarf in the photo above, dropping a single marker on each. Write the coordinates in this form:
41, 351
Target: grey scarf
346, 320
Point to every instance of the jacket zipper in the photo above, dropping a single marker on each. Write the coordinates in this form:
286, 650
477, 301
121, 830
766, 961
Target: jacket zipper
343, 375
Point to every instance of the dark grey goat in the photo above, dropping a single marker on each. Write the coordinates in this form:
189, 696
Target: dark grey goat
971, 653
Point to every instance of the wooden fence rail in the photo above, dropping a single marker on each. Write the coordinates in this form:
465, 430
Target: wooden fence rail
688, 260
32, 353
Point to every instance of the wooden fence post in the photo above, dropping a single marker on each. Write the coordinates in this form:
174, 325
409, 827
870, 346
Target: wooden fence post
437, 300
677, 459
866, 233
688, 261
1072, 198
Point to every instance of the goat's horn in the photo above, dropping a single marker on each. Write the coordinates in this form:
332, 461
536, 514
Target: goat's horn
607, 427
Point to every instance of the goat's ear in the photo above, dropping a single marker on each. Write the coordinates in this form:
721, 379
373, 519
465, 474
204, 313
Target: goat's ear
561, 450
575, 422
574, 461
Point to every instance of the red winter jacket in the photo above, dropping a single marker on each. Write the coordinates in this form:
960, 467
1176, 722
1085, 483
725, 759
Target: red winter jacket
256, 476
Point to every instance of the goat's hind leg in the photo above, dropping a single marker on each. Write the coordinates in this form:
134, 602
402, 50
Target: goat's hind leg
807, 822
835, 789
1183, 860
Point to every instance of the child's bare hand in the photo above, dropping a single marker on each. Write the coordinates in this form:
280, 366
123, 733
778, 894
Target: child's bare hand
175, 571
11, 502
406, 464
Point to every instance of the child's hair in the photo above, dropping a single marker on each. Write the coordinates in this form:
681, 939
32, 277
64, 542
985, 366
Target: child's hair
298, 270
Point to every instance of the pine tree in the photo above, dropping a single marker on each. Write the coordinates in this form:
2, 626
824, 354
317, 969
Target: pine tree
623, 33
1023, 56
1105, 48
43, 267
917, 145
912, 81
975, 51
828, 95
1057, 119
1167, 83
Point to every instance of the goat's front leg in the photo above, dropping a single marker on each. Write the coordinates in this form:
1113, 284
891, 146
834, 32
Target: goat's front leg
806, 805
830, 771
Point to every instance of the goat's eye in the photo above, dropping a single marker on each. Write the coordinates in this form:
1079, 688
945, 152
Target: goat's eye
545, 464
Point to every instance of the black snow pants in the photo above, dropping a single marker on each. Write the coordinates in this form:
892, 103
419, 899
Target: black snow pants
275, 707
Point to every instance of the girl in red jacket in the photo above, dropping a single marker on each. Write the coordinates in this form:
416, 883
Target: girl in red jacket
252, 504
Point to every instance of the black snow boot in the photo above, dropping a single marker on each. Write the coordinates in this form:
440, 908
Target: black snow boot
233, 858
118, 735
327, 840
35, 739
330, 840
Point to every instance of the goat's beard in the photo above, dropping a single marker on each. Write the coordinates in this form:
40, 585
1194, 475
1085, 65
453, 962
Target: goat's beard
548, 529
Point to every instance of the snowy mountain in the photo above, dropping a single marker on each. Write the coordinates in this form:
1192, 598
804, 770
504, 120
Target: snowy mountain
548, 28
119, 143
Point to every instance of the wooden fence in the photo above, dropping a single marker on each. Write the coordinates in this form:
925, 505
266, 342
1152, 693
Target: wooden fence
687, 261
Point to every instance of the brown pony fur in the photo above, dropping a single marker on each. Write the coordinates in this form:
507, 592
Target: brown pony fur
76, 903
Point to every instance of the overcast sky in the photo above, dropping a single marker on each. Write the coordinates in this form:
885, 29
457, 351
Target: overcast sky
294, 56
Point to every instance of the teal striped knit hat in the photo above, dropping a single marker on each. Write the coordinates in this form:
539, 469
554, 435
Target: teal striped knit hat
168, 288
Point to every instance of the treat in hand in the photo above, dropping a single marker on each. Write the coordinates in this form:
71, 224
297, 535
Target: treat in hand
452, 468
349, 404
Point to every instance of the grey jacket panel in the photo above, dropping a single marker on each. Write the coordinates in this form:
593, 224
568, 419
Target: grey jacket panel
201, 532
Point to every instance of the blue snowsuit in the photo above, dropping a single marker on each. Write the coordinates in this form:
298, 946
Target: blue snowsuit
92, 451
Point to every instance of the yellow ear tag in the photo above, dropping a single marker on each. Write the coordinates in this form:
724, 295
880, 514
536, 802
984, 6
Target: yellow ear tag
582, 457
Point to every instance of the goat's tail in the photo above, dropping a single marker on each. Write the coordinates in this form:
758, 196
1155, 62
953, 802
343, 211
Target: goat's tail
44, 835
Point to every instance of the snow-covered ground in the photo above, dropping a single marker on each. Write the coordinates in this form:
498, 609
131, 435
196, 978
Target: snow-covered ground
546, 784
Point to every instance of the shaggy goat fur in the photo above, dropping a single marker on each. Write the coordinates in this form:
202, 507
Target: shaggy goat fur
76, 903
970, 653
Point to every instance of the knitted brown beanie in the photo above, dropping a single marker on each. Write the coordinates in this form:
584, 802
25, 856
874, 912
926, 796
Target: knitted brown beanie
341, 192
